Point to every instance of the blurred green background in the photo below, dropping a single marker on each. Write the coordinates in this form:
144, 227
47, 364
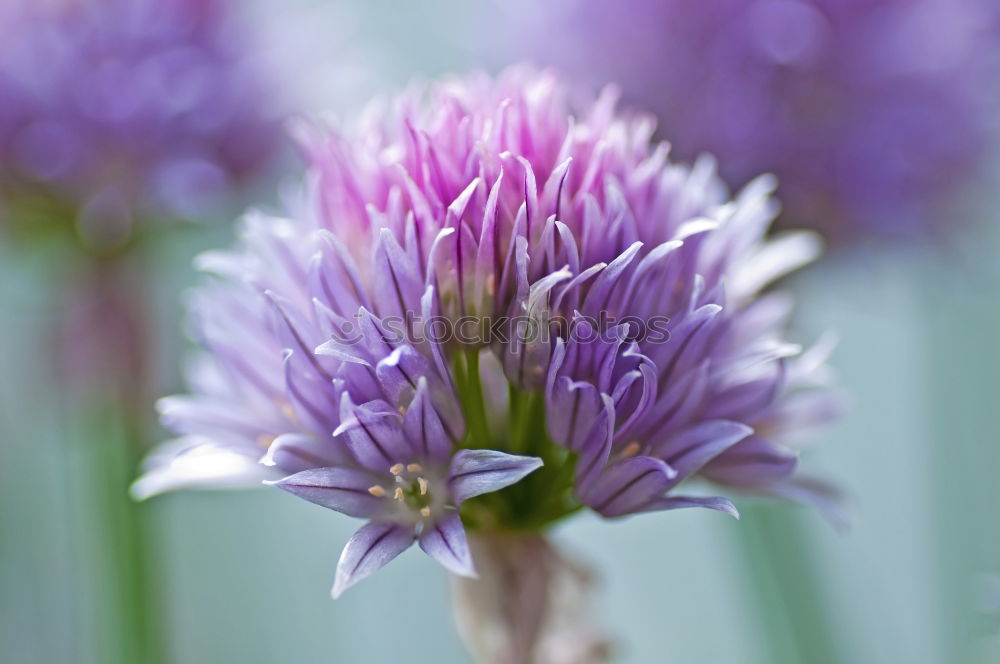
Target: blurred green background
245, 575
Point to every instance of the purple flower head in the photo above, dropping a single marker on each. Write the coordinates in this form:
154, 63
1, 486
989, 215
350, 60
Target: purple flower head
872, 113
123, 108
489, 311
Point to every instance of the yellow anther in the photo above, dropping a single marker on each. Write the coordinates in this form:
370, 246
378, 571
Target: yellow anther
287, 410
397, 469
423, 486
376, 491
414, 467
402, 410
398, 495
631, 449
425, 512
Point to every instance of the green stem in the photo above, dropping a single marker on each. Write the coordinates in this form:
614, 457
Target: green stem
541, 498
527, 435
475, 404
113, 403
125, 553
784, 586
516, 409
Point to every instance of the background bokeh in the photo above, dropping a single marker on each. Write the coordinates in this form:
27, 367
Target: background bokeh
244, 576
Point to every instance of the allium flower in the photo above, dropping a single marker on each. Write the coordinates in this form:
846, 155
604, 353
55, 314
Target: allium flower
125, 108
872, 113
491, 311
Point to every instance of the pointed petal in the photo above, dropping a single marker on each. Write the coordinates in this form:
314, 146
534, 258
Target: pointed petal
199, 466
475, 472
633, 398
683, 502
293, 452
785, 253
694, 447
488, 252
397, 283
363, 341
345, 490
529, 348
423, 426
752, 463
397, 373
296, 334
445, 542
337, 277
575, 409
596, 447
373, 432
368, 551
210, 418
629, 486
599, 296
313, 399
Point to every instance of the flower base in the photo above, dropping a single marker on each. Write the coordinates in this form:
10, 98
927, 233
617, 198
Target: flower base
531, 604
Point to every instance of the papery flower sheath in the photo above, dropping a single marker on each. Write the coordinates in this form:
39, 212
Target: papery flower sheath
490, 309
873, 114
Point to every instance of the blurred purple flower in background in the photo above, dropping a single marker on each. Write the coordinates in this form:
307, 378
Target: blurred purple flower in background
873, 114
479, 205
113, 114
128, 109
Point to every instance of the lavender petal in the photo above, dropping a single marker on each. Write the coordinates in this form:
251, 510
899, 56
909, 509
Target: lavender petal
373, 432
752, 463
423, 425
683, 502
345, 490
475, 472
368, 551
294, 452
698, 445
629, 485
192, 463
445, 542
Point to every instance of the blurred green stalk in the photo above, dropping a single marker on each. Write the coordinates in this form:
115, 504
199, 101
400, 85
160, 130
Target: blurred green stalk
102, 357
784, 586
121, 540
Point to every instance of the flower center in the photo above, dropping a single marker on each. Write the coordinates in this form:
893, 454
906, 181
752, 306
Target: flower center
411, 488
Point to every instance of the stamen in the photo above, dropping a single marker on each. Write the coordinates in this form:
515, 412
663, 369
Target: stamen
376, 491
425, 512
397, 469
287, 410
414, 468
423, 486
631, 449
398, 495
402, 410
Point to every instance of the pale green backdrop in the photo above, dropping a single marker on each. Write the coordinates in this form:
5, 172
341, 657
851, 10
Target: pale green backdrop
245, 575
